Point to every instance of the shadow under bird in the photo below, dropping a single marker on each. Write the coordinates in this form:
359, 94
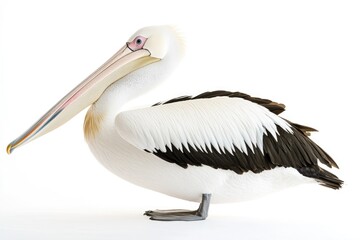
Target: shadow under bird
220, 146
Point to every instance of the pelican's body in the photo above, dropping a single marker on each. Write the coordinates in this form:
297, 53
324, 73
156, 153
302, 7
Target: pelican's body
226, 145
147, 170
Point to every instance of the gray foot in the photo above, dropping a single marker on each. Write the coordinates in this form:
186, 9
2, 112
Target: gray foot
182, 215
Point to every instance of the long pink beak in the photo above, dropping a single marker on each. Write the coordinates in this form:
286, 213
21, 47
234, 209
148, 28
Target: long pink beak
87, 92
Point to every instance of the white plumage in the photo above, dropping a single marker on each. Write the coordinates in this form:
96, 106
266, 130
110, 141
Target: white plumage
220, 122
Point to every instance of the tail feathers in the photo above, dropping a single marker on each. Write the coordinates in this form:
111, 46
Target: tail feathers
322, 176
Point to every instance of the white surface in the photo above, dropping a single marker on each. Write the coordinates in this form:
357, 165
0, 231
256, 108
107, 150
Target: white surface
304, 54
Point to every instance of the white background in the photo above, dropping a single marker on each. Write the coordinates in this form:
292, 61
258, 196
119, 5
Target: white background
305, 54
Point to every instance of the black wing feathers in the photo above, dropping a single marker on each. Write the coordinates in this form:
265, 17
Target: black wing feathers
274, 107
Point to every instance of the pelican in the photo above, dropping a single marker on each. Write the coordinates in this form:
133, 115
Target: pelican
218, 146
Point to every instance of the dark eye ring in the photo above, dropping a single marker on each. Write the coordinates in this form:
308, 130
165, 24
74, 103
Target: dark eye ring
138, 41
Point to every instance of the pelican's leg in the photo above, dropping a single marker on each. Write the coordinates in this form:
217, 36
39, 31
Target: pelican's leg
182, 215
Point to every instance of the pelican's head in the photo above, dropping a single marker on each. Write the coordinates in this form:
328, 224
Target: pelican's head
147, 46
160, 40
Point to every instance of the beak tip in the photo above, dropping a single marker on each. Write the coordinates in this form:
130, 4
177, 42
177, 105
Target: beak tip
9, 149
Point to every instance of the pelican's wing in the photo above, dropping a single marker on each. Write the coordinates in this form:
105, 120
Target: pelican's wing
272, 106
227, 132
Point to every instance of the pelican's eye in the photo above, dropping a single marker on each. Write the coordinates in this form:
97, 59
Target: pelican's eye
137, 43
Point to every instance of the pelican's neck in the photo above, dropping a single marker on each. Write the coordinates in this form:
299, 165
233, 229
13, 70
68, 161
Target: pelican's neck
141, 80
135, 84
120, 92
117, 94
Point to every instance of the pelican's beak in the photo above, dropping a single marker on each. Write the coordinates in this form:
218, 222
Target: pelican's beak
86, 93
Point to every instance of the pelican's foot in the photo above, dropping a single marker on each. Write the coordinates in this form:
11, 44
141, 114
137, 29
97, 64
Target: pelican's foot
182, 215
